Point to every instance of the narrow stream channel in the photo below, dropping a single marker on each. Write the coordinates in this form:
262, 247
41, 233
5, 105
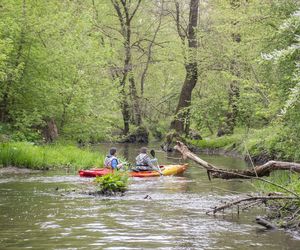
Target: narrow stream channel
40, 211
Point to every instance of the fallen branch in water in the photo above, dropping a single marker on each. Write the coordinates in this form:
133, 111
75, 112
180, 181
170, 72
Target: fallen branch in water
254, 173
258, 171
252, 198
265, 223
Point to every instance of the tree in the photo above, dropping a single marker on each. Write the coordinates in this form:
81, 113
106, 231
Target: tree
181, 121
126, 13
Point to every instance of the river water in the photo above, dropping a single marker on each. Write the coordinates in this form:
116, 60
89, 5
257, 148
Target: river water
41, 211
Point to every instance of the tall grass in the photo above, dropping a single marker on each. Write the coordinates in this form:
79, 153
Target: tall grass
285, 179
23, 154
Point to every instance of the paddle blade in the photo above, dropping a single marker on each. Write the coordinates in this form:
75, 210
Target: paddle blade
152, 152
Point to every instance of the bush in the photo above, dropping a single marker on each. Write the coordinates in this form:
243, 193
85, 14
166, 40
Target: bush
277, 142
112, 183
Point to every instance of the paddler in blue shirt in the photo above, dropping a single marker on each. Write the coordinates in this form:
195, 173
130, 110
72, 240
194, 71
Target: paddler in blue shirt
111, 161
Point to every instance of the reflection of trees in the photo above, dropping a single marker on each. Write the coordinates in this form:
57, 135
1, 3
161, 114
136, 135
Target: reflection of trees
126, 151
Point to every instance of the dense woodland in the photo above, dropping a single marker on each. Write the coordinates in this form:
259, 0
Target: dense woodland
95, 70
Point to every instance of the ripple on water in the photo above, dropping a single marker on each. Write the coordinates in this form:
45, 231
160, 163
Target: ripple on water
172, 218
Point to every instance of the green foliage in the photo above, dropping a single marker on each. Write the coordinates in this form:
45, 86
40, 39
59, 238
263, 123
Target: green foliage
51, 67
23, 154
160, 128
62, 60
273, 142
225, 142
112, 183
286, 179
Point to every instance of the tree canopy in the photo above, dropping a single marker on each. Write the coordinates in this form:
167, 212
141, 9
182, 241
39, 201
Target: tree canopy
103, 68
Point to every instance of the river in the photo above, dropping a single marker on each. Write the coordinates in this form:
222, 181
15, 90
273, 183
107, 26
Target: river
40, 211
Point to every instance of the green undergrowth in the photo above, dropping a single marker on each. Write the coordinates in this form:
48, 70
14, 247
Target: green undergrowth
225, 142
282, 213
274, 142
113, 183
286, 179
28, 155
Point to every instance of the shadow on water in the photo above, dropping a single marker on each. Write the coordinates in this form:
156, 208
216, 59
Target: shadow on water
40, 211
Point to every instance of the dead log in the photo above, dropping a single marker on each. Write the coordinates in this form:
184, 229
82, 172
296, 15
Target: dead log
265, 223
258, 171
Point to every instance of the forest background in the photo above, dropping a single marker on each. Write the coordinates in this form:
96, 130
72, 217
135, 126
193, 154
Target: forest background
102, 70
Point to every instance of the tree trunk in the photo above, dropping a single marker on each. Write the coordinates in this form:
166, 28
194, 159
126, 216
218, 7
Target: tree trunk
125, 17
50, 131
256, 172
137, 116
227, 127
182, 114
125, 112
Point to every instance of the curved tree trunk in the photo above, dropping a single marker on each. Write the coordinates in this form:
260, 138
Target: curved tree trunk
182, 114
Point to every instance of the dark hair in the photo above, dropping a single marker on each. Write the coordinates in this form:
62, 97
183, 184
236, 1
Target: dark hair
112, 151
143, 150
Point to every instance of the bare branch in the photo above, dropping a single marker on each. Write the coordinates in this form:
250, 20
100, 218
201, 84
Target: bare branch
262, 198
135, 10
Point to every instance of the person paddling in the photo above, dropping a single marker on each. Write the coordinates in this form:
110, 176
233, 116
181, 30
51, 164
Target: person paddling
111, 161
144, 162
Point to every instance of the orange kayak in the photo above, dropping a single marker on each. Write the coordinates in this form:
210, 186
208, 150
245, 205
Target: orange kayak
166, 170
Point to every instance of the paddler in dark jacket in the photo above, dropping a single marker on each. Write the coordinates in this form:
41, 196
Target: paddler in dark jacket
143, 161
111, 161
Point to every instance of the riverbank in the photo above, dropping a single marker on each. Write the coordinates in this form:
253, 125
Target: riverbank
282, 213
261, 145
29, 155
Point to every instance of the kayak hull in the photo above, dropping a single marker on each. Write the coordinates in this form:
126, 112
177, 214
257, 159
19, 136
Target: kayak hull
166, 170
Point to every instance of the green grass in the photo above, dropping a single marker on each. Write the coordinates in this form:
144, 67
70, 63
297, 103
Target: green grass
286, 179
24, 154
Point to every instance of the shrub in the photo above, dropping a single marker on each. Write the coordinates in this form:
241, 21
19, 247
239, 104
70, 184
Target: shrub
112, 183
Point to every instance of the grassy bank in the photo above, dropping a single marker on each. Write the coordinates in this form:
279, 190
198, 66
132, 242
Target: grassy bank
286, 179
23, 154
262, 145
282, 213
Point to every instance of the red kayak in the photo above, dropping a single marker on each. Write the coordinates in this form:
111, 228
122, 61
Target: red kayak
166, 170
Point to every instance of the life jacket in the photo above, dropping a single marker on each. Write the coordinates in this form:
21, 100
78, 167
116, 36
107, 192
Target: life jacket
142, 160
109, 159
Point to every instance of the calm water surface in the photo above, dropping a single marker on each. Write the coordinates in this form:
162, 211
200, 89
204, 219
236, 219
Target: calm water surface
40, 211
